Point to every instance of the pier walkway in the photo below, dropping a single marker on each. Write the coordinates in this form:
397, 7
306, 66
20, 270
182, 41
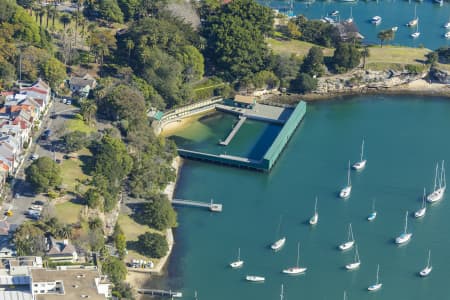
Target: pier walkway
234, 131
161, 293
215, 207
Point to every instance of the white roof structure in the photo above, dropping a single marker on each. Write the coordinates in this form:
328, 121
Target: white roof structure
15, 295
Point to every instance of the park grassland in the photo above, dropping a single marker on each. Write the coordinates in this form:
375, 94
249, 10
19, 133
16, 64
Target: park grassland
380, 58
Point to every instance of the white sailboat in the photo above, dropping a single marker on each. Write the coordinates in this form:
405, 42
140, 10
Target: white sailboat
347, 190
238, 263
297, 270
377, 285
439, 187
373, 214
356, 263
277, 245
350, 19
416, 34
427, 270
414, 21
350, 240
361, 164
255, 278
315, 218
422, 211
405, 236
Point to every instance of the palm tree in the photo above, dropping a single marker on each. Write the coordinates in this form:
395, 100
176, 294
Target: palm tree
95, 224
65, 19
88, 110
385, 35
365, 53
65, 231
130, 46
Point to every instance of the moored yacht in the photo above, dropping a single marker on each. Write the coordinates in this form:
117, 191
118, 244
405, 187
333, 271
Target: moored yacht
405, 236
255, 278
315, 218
372, 216
350, 240
376, 20
427, 270
356, 263
237, 263
422, 211
439, 185
377, 285
347, 190
297, 270
361, 164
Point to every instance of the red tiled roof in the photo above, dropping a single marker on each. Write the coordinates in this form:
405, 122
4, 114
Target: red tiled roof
35, 89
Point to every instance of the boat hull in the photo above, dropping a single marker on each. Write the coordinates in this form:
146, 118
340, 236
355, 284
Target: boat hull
347, 245
237, 264
360, 165
425, 272
353, 266
375, 287
294, 271
420, 213
278, 244
372, 216
403, 238
252, 278
435, 196
345, 192
314, 219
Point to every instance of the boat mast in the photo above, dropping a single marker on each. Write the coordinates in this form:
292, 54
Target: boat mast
429, 257
378, 270
348, 176
423, 197
298, 253
373, 205
350, 233
435, 177
345, 295
442, 179
406, 221
315, 207
356, 254
362, 150
239, 254
282, 292
279, 227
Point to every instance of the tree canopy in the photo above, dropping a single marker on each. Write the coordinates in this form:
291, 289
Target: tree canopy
152, 245
235, 33
43, 174
158, 213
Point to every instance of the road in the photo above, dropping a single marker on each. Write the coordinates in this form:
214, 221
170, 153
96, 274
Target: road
22, 194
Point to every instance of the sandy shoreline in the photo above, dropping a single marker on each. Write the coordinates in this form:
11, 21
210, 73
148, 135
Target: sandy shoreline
418, 87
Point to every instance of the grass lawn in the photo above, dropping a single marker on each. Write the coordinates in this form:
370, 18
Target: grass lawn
299, 48
68, 212
395, 57
132, 230
78, 125
72, 170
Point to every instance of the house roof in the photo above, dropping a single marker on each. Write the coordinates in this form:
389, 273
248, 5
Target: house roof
57, 247
82, 81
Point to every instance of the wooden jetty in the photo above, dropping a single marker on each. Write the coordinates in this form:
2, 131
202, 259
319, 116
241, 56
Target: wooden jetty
161, 293
215, 207
234, 131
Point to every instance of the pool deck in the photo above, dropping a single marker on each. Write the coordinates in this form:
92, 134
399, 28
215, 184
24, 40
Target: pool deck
260, 112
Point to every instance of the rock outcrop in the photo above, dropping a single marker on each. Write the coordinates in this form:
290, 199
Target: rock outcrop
439, 75
363, 80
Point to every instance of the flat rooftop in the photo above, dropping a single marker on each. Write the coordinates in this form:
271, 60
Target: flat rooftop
263, 112
76, 283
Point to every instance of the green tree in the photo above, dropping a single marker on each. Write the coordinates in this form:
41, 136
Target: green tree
102, 42
304, 83
228, 27
313, 63
75, 141
432, 58
88, 109
152, 245
43, 174
110, 11
346, 56
54, 71
293, 31
120, 242
65, 19
115, 269
158, 213
29, 240
94, 198
96, 223
365, 54
385, 35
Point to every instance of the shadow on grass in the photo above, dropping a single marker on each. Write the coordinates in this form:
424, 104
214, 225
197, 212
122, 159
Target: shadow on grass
88, 163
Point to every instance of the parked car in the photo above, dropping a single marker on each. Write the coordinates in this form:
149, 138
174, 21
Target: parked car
38, 202
36, 207
69, 102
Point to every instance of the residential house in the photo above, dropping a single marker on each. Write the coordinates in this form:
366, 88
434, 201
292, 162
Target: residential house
69, 283
60, 250
82, 85
39, 91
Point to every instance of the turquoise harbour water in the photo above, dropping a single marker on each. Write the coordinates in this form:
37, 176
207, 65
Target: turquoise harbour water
432, 17
405, 137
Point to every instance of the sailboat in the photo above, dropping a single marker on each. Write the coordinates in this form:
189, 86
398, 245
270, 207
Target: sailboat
361, 164
277, 245
315, 218
297, 270
377, 285
427, 270
350, 240
421, 212
405, 236
373, 214
347, 190
238, 263
416, 34
438, 192
354, 265
414, 21
350, 19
